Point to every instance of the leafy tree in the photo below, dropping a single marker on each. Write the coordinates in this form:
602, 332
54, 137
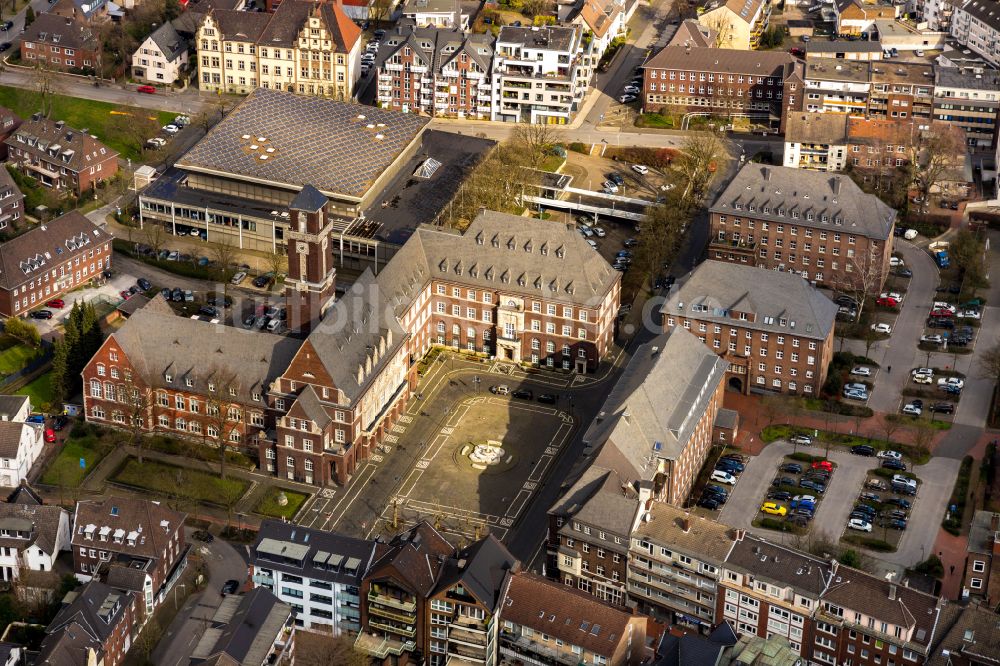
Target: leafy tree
60, 371
29, 16
23, 331
851, 558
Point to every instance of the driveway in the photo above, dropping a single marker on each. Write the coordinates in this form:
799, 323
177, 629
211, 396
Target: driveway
225, 562
937, 479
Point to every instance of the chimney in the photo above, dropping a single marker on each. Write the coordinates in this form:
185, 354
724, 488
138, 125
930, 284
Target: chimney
60, 124
686, 524
766, 173
995, 522
892, 591
834, 565
836, 185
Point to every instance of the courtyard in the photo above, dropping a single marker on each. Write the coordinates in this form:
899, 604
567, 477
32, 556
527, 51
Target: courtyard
488, 457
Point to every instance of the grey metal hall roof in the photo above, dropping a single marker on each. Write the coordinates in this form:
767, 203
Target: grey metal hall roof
287, 140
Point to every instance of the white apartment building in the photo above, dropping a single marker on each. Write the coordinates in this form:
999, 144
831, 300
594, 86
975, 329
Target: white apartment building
317, 573
816, 141
976, 24
162, 58
540, 75
31, 535
938, 13
20, 446
837, 86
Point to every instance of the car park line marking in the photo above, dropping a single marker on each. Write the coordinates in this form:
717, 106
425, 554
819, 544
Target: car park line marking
362, 478
515, 508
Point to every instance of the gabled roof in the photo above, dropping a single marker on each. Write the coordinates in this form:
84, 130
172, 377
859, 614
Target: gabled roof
42, 521
24, 494
746, 10
44, 246
10, 438
239, 25
780, 565
691, 534
692, 649
598, 16
291, 16
481, 568
436, 47
413, 559
601, 497
692, 33
764, 63
96, 607
251, 632
71, 645
10, 405
54, 30
150, 523
987, 11
171, 44
969, 633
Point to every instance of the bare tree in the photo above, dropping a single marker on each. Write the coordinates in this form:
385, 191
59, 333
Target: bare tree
139, 401
319, 650
379, 10
155, 236
275, 262
45, 84
134, 126
989, 364
661, 235
937, 156
700, 156
722, 27
535, 140
224, 254
148, 637
890, 424
865, 274
216, 412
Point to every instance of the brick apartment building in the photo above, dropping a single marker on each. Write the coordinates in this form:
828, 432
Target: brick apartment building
11, 201
9, 121
59, 156
822, 227
134, 534
723, 81
96, 624
982, 562
437, 71
50, 260
901, 90
880, 145
774, 328
60, 43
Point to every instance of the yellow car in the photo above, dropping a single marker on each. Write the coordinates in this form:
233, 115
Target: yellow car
773, 508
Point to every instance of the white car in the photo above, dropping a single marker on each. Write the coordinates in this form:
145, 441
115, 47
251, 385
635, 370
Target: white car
640, 169
923, 371
951, 381
195, 232
932, 339
586, 231
156, 142
182, 121
905, 480
592, 243
882, 328
919, 53
896, 261
895, 295
910, 234
666, 187
861, 371
923, 379
631, 90
941, 305
912, 410
600, 233
723, 477
890, 455
239, 277
860, 525
171, 129
971, 314
610, 187
804, 498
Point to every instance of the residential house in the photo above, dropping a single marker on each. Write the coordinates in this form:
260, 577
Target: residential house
605, 20
318, 573
739, 23
682, 647
15, 408
162, 58
858, 16
544, 621
59, 156
840, 86
11, 199
816, 141
901, 90
20, 446
9, 121
844, 49
661, 411
879, 146
137, 534
675, 559
436, 71
773, 327
60, 43
694, 34
436, 14
982, 560
969, 98
144, 371
96, 624
32, 535
723, 81
303, 47
541, 75
969, 637
975, 24
937, 14
50, 260
252, 629
823, 227
87, 11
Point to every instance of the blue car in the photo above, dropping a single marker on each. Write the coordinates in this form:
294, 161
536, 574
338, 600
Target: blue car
36, 418
803, 504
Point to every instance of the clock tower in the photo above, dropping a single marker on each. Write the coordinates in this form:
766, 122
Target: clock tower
309, 287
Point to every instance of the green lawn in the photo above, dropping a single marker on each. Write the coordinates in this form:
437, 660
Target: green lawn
14, 356
80, 114
65, 470
40, 392
172, 480
268, 505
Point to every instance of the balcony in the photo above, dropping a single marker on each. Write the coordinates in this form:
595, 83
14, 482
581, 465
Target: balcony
533, 652
408, 618
380, 647
476, 654
461, 635
734, 244
409, 631
260, 579
393, 602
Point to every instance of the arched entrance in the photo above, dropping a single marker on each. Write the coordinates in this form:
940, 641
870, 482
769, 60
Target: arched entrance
736, 384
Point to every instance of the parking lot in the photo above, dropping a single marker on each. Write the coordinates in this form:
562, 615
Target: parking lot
846, 485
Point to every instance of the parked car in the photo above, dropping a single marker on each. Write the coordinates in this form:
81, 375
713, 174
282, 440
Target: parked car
812, 485
56, 303
863, 450
894, 524
779, 495
149, 90
900, 502
263, 280
861, 371
905, 480
723, 477
791, 468
870, 497
895, 455
951, 381
41, 314
887, 302
912, 410
523, 394
801, 440
904, 272
943, 408
783, 481
59, 422
4, 46
824, 465
230, 587
940, 322
708, 503
932, 339
238, 278
547, 398
859, 524
144, 284
882, 328
773, 508
156, 142
617, 179
640, 169
627, 99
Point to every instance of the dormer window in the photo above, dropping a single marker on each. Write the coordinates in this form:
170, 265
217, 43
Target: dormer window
211, 387
232, 390
168, 378
188, 382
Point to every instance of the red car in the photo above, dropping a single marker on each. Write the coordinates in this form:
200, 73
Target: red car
149, 90
57, 303
50, 435
124, 294
941, 313
824, 465
888, 302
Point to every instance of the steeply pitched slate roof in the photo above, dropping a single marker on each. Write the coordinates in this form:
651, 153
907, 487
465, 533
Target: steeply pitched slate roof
159, 344
126, 578
436, 47
692, 649
10, 405
481, 568
251, 632
658, 400
90, 607
413, 558
44, 520
601, 497
781, 565
290, 17
307, 406
308, 199
692, 33
23, 494
76, 150
987, 11
10, 438
239, 25
326, 554
69, 646
54, 30
128, 514
45, 246
350, 147
565, 613
171, 44
793, 196
954, 644
715, 288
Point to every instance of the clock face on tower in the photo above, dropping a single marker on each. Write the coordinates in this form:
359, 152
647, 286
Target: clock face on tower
302, 248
